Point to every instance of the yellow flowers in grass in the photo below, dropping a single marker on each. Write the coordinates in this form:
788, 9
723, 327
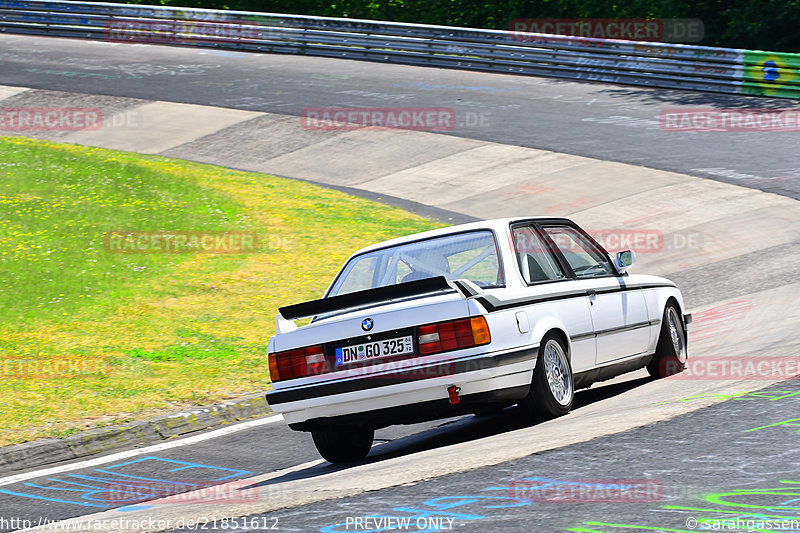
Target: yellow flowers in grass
144, 333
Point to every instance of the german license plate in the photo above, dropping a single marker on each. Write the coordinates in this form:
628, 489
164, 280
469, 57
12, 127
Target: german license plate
374, 350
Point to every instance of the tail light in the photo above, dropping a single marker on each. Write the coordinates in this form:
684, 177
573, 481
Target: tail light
297, 363
455, 335
433, 338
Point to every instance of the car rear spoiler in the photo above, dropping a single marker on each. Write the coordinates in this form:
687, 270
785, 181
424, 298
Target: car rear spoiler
354, 300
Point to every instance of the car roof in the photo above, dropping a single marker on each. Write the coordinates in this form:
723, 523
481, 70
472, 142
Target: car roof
497, 224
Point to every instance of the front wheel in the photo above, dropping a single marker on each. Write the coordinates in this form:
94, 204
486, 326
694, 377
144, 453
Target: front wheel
343, 444
671, 353
552, 389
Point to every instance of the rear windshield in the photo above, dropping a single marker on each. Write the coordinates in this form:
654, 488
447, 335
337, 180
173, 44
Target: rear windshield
471, 255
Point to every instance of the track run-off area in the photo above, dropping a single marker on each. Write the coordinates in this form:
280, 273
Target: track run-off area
717, 212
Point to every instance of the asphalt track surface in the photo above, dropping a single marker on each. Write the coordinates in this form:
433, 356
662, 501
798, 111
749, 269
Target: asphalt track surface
609, 122
77, 492
718, 464
685, 463
693, 454
271, 447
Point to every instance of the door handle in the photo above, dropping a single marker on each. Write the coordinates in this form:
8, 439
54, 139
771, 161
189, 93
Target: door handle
592, 294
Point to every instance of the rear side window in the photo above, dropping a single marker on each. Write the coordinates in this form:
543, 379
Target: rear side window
360, 275
536, 263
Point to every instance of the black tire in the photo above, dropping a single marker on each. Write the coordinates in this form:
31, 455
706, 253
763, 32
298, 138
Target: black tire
552, 389
343, 445
671, 354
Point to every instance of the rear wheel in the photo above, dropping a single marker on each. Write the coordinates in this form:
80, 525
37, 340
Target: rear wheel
671, 354
343, 444
552, 390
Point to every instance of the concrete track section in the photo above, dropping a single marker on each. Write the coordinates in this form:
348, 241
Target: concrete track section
602, 121
732, 249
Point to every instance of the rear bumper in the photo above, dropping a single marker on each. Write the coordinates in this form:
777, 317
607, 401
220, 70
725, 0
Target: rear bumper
411, 394
422, 411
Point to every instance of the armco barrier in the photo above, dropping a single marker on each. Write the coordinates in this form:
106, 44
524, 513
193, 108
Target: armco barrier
672, 66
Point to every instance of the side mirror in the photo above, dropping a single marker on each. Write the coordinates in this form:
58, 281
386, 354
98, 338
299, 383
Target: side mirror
624, 260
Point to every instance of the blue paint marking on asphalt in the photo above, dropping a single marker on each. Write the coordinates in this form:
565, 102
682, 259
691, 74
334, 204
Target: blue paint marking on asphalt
133, 508
115, 488
186, 465
49, 499
135, 482
121, 487
466, 500
86, 495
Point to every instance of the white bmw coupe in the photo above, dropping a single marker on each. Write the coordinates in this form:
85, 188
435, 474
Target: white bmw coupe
468, 319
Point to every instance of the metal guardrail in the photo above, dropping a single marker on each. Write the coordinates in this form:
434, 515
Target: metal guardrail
672, 66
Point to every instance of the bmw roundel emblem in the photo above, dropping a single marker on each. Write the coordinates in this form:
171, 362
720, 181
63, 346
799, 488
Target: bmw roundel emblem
367, 324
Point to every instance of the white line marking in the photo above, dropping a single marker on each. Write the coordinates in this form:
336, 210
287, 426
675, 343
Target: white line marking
140, 451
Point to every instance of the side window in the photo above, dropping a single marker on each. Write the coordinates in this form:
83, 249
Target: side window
536, 263
585, 261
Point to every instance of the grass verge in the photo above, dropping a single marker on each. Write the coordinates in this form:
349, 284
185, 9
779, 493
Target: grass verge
91, 336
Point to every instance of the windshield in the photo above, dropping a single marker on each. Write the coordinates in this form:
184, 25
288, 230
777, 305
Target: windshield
471, 255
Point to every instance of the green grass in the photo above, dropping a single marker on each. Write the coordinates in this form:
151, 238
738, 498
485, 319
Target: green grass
89, 337
56, 209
